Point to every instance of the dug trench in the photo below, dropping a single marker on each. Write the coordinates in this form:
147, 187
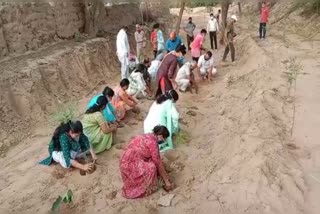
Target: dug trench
236, 161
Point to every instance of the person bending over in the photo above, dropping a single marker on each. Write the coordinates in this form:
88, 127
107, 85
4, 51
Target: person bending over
122, 101
68, 144
96, 127
141, 165
164, 112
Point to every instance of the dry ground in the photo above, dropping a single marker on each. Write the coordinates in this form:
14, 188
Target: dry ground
242, 157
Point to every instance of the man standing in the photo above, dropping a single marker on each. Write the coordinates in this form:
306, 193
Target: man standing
173, 42
189, 29
160, 39
213, 28
196, 45
219, 16
154, 42
140, 38
123, 50
229, 34
263, 20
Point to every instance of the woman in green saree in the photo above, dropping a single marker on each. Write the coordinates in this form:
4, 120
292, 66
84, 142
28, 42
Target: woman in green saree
96, 128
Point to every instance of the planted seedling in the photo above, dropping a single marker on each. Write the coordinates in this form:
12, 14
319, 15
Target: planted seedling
65, 199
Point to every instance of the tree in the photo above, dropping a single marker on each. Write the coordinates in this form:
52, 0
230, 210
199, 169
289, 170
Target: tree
95, 14
224, 14
224, 11
183, 4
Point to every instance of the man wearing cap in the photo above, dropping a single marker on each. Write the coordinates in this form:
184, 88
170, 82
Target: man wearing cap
140, 38
229, 34
189, 29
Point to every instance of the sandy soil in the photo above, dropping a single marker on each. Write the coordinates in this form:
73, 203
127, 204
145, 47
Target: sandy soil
242, 157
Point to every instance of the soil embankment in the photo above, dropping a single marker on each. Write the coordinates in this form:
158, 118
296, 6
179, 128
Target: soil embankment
240, 158
34, 83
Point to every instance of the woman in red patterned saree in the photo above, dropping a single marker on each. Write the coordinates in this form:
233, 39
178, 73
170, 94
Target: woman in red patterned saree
140, 165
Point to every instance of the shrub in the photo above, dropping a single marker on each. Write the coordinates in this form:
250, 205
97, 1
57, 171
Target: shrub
313, 5
182, 137
64, 113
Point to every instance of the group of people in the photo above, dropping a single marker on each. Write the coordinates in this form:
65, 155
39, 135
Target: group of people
141, 165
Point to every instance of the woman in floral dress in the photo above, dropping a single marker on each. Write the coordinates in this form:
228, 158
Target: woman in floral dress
140, 165
122, 101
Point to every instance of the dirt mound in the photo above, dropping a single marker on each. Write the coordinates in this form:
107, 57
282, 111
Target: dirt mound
33, 85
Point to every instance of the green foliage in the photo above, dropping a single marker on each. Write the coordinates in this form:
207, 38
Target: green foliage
65, 112
182, 137
202, 3
293, 69
313, 5
66, 198
77, 36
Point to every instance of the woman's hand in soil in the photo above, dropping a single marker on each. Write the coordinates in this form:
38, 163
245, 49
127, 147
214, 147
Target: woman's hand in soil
169, 185
87, 167
94, 160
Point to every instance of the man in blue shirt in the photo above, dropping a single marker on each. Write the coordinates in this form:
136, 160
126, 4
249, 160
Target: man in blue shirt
173, 42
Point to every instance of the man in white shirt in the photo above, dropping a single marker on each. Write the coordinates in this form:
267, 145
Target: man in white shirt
123, 50
213, 28
140, 38
205, 65
183, 78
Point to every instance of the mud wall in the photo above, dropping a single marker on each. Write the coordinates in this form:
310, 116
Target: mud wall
121, 15
29, 26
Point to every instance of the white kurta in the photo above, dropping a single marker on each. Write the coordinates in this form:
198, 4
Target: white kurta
137, 85
205, 65
182, 77
123, 50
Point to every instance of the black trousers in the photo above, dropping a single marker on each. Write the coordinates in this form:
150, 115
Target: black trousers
229, 47
196, 59
155, 53
213, 38
263, 30
189, 40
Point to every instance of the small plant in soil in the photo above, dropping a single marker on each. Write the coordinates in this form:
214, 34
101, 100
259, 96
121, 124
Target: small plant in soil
182, 137
293, 70
64, 113
65, 199
77, 37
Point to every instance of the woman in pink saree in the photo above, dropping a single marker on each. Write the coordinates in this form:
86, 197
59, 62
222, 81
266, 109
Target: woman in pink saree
140, 165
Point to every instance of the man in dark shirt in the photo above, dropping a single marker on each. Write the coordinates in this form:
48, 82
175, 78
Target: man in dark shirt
167, 70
